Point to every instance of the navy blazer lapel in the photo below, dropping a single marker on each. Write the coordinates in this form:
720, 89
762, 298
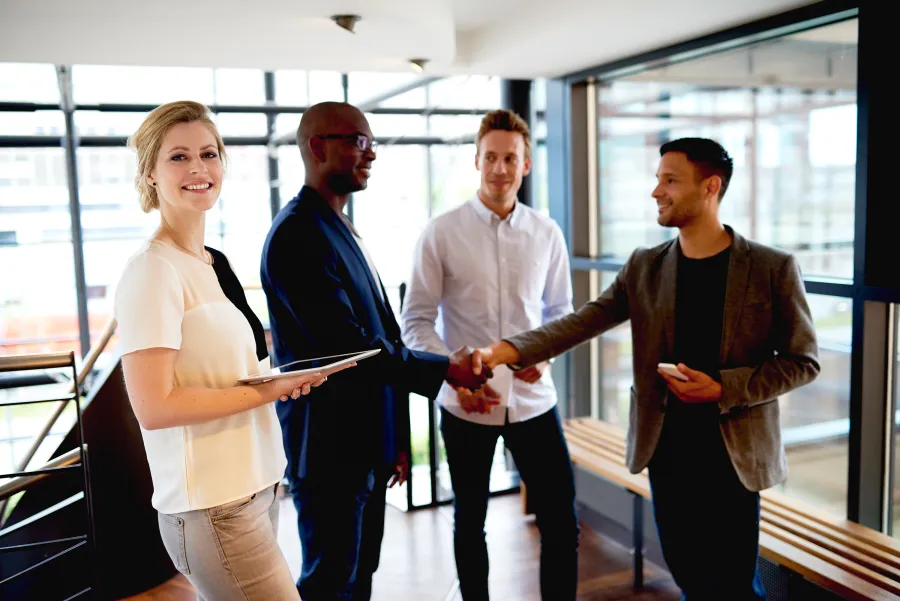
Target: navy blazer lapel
337, 223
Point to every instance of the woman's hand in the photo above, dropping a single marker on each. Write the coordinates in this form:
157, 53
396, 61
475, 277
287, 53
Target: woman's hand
294, 388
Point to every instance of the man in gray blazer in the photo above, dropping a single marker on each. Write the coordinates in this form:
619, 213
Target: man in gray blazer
732, 314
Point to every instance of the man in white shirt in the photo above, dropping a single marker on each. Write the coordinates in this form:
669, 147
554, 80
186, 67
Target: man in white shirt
486, 270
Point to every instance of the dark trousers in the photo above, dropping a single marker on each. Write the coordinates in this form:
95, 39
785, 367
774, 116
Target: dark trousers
340, 518
708, 522
542, 457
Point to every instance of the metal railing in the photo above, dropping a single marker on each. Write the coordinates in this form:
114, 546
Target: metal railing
77, 459
87, 365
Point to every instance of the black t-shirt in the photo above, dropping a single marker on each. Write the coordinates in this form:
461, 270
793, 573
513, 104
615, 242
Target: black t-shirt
699, 310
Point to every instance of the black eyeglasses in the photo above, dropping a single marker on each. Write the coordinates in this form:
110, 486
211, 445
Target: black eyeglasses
363, 142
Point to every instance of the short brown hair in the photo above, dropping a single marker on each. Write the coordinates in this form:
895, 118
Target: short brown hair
504, 120
149, 136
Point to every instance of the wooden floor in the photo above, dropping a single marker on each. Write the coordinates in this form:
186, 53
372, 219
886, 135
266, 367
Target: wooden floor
417, 560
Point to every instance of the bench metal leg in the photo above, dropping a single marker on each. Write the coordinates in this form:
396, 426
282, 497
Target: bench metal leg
637, 534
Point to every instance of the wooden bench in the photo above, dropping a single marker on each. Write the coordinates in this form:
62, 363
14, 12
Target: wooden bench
851, 560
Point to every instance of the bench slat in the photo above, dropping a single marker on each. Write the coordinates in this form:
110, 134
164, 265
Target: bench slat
800, 521
821, 572
853, 556
863, 533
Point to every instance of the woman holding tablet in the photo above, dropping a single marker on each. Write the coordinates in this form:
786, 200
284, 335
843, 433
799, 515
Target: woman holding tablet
187, 335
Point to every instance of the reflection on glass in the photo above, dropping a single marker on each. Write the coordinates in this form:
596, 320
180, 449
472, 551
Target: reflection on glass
786, 112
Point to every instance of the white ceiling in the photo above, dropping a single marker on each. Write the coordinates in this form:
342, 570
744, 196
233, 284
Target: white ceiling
509, 38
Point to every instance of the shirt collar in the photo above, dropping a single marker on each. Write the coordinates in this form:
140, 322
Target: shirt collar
489, 217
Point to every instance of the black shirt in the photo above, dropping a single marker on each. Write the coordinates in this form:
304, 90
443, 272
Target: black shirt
691, 439
699, 310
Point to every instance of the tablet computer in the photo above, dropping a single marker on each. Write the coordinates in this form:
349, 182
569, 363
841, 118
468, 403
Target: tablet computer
277, 373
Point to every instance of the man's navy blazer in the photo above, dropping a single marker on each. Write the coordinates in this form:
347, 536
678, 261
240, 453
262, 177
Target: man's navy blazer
323, 300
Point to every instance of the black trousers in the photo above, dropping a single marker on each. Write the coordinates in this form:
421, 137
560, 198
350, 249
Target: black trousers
540, 452
708, 522
340, 518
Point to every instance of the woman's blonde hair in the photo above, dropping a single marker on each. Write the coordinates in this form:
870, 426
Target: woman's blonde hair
149, 136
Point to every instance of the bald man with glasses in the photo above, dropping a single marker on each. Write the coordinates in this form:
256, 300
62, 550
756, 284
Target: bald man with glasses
344, 446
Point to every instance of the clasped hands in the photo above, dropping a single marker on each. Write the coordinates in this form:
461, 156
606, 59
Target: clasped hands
470, 370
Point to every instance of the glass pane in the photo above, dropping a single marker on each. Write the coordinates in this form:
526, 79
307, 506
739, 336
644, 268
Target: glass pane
397, 127
24, 82
239, 222
815, 419
95, 123
141, 85
325, 85
38, 123
365, 86
291, 172
36, 251
613, 363
452, 127
241, 124
421, 464
292, 88
465, 92
113, 227
239, 86
454, 177
793, 143
540, 188
393, 211
895, 509
539, 94
286, 124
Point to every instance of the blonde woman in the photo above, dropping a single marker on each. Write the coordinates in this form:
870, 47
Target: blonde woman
187, 334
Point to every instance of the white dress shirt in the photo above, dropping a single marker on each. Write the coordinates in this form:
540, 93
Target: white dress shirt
478, 279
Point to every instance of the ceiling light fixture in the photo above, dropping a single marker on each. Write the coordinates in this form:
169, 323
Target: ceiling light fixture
418, 64
347, 22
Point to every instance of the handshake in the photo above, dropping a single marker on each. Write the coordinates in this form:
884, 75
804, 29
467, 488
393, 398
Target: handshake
470, 370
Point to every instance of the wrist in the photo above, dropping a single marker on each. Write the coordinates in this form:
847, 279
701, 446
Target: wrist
504, 353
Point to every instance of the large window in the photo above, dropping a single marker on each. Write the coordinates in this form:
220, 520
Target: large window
425, 166
786, 112
785, 109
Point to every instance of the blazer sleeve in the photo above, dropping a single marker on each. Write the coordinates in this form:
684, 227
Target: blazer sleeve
314, 292
795, 361
597, 316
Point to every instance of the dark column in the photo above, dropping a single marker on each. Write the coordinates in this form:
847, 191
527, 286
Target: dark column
515, 95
